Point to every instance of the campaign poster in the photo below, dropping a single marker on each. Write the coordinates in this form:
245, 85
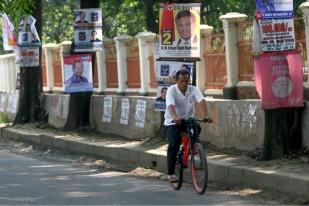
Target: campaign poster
274, 9
179, 34
29, 57
65, 106
78, 73
277, 34
8, 36
278, 79
166, 72
28, 42
140, 113
87, 30
107, 109
125, 109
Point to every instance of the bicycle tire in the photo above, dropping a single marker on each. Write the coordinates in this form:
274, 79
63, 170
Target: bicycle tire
179, 175
199, 169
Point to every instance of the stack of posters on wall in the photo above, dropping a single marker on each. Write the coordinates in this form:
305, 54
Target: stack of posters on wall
166, 71
78, 73
28, 42
179, 45
87, 30
277, 71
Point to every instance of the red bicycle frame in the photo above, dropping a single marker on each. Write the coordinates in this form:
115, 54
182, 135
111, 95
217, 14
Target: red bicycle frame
186, 148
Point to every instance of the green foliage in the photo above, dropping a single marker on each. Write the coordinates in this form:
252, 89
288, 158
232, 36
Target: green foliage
58, 20
4, 118
123, 17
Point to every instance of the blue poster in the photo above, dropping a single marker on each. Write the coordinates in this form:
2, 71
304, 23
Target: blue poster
274, 9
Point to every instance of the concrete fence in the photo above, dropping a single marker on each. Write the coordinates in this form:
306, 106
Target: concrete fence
8, 71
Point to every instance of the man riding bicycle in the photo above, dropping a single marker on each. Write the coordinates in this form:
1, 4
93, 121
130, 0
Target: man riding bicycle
180, 99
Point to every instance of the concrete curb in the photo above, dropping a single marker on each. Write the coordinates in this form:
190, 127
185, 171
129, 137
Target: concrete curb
219, 171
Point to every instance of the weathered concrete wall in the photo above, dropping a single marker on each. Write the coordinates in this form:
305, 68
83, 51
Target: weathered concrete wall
131, 130
9, 104
237, 124
305, 126
57, 107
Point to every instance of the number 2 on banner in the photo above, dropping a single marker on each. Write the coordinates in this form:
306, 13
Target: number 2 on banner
167, 37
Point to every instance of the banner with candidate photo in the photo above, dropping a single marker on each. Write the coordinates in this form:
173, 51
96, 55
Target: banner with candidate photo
78, 73
179, 30
166, 73
87, 30
277, 34
274, 9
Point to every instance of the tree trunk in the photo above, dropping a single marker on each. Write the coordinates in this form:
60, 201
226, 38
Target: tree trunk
79, 107
29, 109
282, 133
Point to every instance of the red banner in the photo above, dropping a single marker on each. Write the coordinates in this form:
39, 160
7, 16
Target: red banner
278, 79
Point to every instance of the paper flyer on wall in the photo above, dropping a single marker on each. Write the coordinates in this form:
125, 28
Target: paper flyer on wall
15, 103
78, 73
179, 33
87, 30
107, 109
140, 113
125, 109
2, 103
274, 9
277, 34
166, 71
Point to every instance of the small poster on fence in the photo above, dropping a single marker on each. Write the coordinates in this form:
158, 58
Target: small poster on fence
179, 30
78, 73
140, 113
87, 30
278, 79
166, 72
125, 109
107, 109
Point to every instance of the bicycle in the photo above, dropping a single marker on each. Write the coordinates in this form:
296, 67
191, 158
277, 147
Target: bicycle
190, 146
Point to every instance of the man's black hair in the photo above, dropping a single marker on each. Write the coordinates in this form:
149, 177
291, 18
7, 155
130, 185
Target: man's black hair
182, 72
163, 88
184, 13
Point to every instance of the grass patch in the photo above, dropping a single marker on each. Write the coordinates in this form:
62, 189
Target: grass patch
4, 118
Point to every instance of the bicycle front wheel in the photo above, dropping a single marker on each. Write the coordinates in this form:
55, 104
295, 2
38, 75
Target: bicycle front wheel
176, 185
199, 168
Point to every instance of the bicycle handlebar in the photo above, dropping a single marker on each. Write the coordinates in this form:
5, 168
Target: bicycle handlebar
204, 120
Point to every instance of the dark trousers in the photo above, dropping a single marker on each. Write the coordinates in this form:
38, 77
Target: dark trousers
174, 138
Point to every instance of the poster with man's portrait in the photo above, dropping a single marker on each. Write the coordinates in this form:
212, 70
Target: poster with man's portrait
166, 76
179, 30
87, 30
78, 73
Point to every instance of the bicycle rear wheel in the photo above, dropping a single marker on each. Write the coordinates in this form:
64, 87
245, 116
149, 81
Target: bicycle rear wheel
179, 175
199, 168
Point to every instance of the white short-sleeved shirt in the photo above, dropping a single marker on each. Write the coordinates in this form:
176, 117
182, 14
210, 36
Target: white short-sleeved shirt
184, 103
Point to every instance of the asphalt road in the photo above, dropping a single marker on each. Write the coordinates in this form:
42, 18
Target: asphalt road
28, 180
